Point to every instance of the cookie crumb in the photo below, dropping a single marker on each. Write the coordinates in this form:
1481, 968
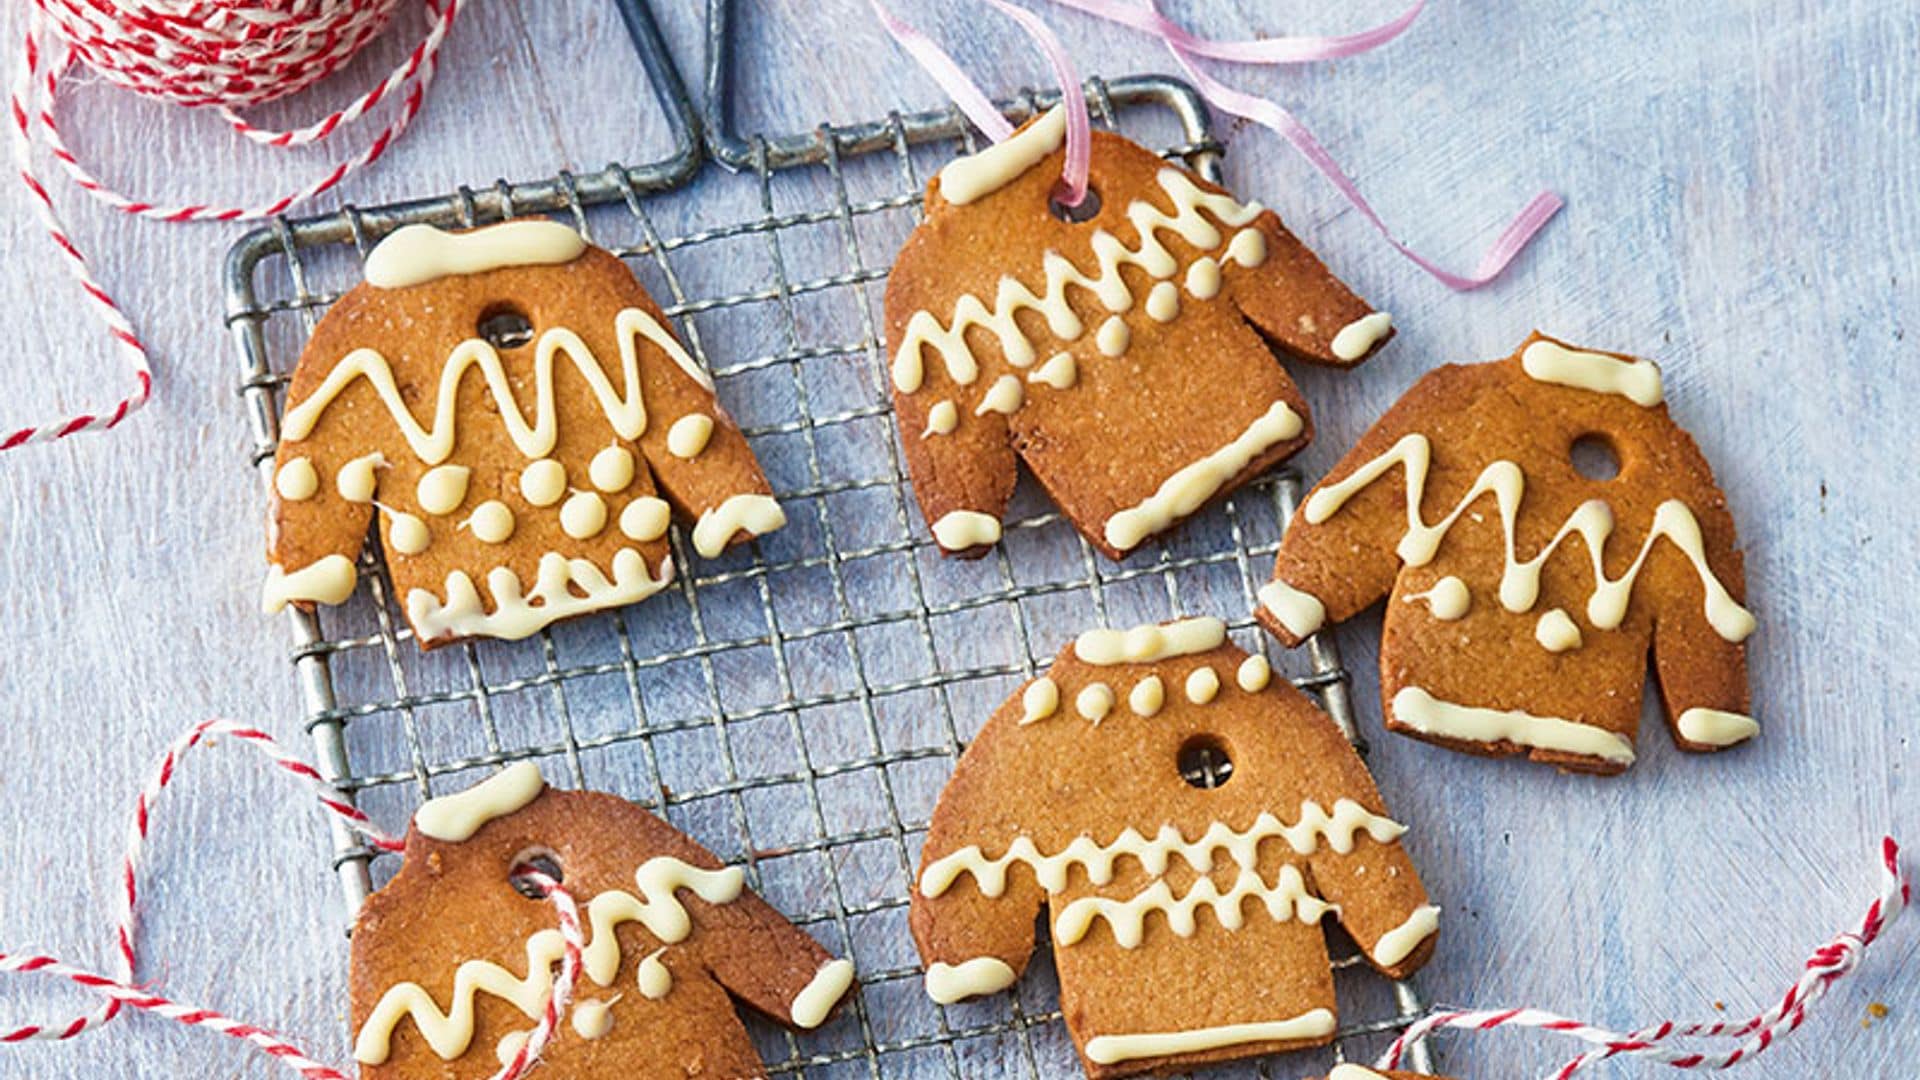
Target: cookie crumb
1876, 1010
1720, 1006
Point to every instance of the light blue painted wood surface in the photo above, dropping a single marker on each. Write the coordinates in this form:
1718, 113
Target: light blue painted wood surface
1744, 204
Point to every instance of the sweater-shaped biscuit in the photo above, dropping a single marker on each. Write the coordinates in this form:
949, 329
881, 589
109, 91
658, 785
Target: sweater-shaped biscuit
1127, 359
1362, 1072
1524, 595
452, 967
507, 398
1185, 919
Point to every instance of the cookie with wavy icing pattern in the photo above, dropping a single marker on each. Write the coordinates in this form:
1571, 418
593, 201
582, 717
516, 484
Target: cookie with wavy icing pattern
517, 411
1186, 820
452, 967
1525, 581
1127, 356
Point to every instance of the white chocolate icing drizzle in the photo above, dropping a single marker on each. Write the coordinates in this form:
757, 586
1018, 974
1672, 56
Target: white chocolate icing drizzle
645, 519
1313, 826
689, 435
355, 481
593, 1019
416, 254
1447, 599
1149, 643
757, 515
958, 530
1005, 397
1717, 727
1039, 700
443, 488
656, 907
543, 482
1556, 631
611, 469
1636, 380
625, 409
455, 818
1286, 899
1094, 702
297, 481
583, 515
492, 522
1253, 674
1299, 611
1398, 943
948, 983
327, 580
1060, 371
1423, 712
828, 985
1109, 1049
519, 613
942, 419
1147, 696
978, 175
1350, 1071
1203, 685
1184, 492
1520, 580
1357, 338
652, 976
924, 330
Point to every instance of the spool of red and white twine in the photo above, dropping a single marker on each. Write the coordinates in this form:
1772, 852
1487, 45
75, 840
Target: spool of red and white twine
223, 55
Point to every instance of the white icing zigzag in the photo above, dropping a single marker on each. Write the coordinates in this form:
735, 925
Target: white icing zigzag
1592, 521
924, 329
625, 409
657, 908
1286, 898
1315, 824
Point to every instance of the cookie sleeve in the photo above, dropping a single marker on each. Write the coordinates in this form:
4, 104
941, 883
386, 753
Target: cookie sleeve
959, 455
698, 456
1299, 305
1382, 903
1699, 634
314, 531
771, 964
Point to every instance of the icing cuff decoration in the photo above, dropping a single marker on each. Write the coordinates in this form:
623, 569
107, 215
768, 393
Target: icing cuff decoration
1110, 1049
518, 613
1430, 715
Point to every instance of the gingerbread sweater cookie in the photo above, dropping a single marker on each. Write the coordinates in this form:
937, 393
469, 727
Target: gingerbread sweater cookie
1128, 359
1523, 595
507, 399
1362, 1072
452, 966
1185, 919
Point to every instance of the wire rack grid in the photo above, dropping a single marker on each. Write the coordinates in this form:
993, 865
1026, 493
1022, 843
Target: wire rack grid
796, 706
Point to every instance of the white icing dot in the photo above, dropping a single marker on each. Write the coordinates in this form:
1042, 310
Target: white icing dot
1248, 248
592, 1019
407, 534
654, 978
1039, 701
543, 482
443, 488
509, 1046
1163, 303
612, 469
583, 515
645, 518
1004, 397
942, 419
1254, 674
491, 522
1060, 371
355, 481
689, 434
1113, 336
1147, 696
1556, 631
1202, 685
296, 480
1203, 278
1094, 702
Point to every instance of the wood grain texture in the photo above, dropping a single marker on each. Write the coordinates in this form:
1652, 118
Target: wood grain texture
1743, 206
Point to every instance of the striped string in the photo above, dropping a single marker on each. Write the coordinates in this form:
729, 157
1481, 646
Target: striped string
226, 55
1829, 964
118, 990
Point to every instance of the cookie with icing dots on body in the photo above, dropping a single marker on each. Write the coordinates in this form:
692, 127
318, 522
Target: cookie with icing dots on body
452, 967
1185, 919
516, 409
1524, 595
1127, 359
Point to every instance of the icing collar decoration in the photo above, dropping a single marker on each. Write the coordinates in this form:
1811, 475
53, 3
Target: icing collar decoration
417, 254
455, 818
1148, 644
1636, 380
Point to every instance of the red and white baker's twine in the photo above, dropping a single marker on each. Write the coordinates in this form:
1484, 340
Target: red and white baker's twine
119, 989
226, 55
1828, 964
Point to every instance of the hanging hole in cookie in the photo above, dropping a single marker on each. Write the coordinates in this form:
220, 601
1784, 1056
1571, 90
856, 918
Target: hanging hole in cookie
1594, 457
529, 868
1204, 762
504, 326
1075, 215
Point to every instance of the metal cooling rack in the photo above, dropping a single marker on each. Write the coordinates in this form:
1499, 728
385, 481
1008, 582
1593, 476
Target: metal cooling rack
796, 706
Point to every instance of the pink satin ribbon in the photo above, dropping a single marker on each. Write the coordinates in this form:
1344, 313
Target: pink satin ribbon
1268, 114
978, 108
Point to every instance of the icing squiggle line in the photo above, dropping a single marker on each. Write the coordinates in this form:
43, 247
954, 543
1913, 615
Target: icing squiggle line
1108, 1049
1592, 521
517, 613
625, 409
924, 329
658, 908
1315, 824
1284, 900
